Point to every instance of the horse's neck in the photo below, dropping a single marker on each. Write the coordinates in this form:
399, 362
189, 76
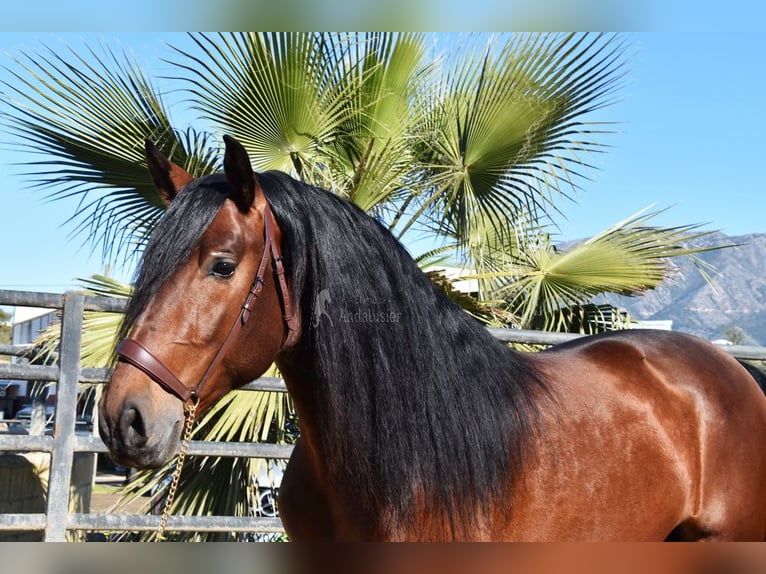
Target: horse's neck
299, 375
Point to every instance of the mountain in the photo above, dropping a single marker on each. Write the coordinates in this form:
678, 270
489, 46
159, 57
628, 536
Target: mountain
734, 298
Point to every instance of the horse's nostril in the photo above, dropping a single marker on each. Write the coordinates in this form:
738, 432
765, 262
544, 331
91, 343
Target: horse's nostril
132, 428
135, 435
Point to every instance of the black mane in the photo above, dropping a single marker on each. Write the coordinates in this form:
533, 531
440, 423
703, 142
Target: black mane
414, 392
416, 398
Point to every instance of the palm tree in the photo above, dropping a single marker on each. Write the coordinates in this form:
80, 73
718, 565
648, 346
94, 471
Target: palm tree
472, 146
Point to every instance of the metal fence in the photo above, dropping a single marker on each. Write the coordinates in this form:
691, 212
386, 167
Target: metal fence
65, 442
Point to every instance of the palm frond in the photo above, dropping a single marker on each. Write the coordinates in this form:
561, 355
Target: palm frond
266, 91
628, 258
331, 109
509, 130
86, 115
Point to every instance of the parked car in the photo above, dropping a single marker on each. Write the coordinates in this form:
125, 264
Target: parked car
25, 413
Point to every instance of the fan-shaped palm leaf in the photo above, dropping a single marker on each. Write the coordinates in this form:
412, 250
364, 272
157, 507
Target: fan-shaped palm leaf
509, 127
332, 109
87, 116
629, 258
266, 90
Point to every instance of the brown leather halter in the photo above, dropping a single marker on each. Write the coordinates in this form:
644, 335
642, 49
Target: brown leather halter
133, 352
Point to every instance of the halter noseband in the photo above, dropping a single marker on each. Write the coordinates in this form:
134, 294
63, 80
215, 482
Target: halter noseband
133, 352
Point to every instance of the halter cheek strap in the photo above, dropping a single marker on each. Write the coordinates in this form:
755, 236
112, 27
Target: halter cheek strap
136, 354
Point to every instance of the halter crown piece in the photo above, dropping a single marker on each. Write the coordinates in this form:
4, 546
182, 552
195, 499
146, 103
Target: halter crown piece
136, 354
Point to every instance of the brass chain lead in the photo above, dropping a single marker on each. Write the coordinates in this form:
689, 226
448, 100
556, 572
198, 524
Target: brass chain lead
190, 411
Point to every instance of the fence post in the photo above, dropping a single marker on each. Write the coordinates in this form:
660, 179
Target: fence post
62, 456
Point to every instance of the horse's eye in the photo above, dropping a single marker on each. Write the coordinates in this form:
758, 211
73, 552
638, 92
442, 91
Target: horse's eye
223, 268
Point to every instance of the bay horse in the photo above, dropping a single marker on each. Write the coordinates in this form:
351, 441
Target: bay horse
415, 423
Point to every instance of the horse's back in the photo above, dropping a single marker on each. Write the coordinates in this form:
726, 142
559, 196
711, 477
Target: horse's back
662, 427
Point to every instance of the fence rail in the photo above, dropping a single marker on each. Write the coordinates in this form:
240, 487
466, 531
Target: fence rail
64, 442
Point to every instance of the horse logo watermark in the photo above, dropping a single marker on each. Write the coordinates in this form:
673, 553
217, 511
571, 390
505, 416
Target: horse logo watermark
353, 309
369, 309
321, 305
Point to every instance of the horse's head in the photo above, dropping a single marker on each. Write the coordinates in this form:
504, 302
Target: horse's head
214, 321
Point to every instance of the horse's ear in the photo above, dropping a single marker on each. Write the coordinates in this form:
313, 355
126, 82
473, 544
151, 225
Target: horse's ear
168, 177
239, 173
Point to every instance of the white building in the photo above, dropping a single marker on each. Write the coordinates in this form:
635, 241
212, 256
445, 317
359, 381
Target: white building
661, 324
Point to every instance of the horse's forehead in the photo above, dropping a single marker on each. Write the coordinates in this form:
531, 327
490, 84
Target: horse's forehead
230, 223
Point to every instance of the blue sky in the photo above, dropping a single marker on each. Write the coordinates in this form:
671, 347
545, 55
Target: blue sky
689, 139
